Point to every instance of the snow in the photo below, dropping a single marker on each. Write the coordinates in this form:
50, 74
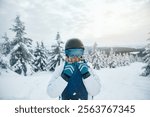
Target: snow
120, 83
124, 83
134, 53
14, 86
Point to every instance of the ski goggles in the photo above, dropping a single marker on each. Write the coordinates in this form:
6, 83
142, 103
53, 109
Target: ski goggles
74, 52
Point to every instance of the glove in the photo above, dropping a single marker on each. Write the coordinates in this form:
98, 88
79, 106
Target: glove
83, 68
67, 72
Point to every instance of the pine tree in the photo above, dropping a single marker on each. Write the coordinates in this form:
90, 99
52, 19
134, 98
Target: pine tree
112, 59
40, 61
95, 58
119, 60
3, 64
21, 56
147, 60
131, 58
96, 61
126, 59
4, 51
101, 59
6, 45
56, 54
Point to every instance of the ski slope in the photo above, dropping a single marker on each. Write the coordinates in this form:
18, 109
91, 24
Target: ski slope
122, 83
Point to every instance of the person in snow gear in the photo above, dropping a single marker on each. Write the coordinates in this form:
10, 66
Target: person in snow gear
74, 80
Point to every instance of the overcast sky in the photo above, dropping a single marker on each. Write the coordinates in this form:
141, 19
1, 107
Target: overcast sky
107, 22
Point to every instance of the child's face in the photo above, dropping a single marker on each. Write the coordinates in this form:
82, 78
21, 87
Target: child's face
73, 59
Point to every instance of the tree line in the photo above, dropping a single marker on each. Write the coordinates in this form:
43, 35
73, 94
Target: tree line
19, 55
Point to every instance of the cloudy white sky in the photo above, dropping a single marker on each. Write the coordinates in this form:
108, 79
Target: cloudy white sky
107, 22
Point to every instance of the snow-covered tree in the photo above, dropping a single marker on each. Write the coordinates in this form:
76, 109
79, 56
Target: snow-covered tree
56, 54
3, 64
99, 59
20, 59
96, 60
112, 59
132, 58
40, 55
126, 59
102, 56
95, 57
6, 45
147, 60
4, 51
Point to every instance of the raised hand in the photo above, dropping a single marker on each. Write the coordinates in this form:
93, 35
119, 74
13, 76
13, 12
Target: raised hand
67, 71
84, 69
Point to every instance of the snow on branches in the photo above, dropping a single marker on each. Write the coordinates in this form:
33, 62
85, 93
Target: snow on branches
146, 59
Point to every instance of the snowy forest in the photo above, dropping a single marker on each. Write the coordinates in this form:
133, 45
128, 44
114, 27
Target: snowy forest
19, 56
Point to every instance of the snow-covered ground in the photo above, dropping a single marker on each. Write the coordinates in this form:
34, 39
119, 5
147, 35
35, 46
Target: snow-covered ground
119, 83
124, 83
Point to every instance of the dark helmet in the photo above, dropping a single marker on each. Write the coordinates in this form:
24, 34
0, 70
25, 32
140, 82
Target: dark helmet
73, 44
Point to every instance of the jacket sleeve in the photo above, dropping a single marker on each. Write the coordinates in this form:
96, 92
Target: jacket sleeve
92, 84
57, 84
